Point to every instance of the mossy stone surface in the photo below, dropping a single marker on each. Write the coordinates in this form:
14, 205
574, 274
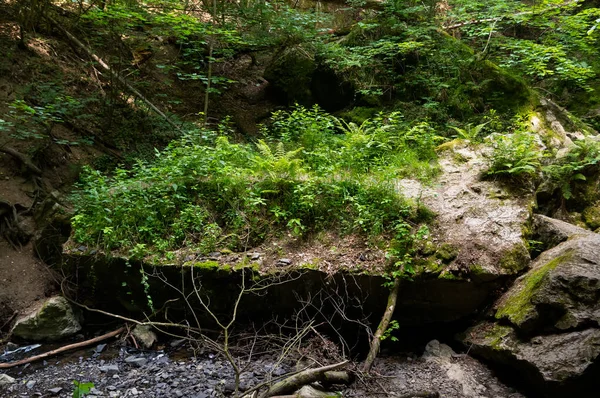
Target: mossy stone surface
518, 306
591, 215
54, 320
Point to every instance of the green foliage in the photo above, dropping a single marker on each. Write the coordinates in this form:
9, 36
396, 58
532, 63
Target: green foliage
208, 193
516, 155
469, 133
403, 251
393, 326
579, 162
384, 146
552, 42
81, 389
47, 104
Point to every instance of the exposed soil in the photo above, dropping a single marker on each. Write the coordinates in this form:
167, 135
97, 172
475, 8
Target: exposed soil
24, 280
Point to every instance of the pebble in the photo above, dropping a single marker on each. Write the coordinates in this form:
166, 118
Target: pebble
136, 361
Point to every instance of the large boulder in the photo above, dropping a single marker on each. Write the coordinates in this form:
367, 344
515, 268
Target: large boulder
54, 320
480, 224
546, 326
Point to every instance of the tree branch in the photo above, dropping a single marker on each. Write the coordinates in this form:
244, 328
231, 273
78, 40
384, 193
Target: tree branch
62, 349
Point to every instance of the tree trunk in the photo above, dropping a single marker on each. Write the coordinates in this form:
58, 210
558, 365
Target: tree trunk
383, 325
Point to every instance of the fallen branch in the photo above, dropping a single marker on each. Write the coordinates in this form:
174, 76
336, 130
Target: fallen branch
21, 158
62, 349
383, 325
298, 380
106, 67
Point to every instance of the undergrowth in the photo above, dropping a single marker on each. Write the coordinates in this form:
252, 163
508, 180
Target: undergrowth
311, 172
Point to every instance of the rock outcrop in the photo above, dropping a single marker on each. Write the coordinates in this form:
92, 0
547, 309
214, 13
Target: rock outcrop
54, 320
547, 325
479, 220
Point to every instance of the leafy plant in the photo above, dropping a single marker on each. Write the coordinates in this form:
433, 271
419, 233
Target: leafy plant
580, 160
81, 389
516, 155
469, 133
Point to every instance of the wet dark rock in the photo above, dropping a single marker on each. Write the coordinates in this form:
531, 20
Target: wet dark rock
136, 361
552, 232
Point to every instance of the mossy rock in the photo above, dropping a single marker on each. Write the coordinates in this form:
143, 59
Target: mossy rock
591, 215
447, 252
519, 306
516, 259
559, 292
54, 320
359, 114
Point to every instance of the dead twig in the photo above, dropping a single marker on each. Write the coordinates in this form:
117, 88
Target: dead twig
62, 349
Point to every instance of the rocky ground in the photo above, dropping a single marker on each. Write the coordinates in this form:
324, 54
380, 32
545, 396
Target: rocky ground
125, 372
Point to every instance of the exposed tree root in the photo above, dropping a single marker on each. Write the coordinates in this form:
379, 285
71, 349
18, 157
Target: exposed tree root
23, 159
62, 349
383, 325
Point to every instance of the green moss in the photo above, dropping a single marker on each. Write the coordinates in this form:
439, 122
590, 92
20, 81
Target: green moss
449, 276
591, 215
314, 265
211, 265
477, 269
247, 264
518, 305
515, 259
432, 265
495, 336
446, 252
359, 114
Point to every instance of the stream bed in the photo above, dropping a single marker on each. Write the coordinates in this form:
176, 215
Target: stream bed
120, 371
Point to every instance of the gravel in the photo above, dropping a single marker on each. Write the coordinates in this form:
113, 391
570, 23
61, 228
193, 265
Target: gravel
125, 372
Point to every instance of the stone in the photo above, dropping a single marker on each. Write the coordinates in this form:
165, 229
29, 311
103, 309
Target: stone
546, 326
434, 349
559, 292
30, 384
110, 369
591, 215
144, 335
284, 261
552, 232
55, 390
136, 361
6, 379
54, 320
479, 224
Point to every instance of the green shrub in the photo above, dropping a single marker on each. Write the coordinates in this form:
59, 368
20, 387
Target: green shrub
577, 165
207, 196
516, 156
